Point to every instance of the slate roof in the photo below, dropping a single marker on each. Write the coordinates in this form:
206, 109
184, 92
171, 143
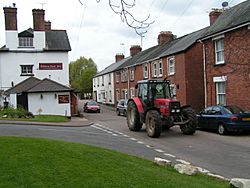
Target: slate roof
24, 85
156, 52
112, 67
230, 18
57, 40
33, 85
48, 85
26, 33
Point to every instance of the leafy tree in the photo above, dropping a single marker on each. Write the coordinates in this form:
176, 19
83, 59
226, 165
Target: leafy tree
81, 74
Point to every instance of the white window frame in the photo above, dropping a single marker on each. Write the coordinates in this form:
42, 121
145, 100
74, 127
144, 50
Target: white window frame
117, 77
171, 66
118, 94
132, 73
160, 69
132, 92
145, 71
217, 80
154, 69
25, 41
26, 70
220, 94
217, 51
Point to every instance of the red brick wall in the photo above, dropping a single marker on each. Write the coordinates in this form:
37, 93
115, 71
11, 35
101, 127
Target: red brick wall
236, 68
195, 77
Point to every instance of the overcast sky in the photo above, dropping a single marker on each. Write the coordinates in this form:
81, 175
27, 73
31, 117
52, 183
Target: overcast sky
96, 32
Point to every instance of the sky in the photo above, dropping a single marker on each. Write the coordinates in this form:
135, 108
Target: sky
96, 32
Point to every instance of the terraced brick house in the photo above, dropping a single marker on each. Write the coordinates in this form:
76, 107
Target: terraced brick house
227, 57
176, 59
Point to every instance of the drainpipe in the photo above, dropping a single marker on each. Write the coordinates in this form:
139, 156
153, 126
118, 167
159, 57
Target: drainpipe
204, 71
128, 90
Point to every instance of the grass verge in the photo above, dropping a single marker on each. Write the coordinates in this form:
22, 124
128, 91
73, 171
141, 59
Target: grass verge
27, 162
41, 118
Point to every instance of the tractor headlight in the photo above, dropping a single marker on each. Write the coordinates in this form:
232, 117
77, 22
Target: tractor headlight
178, 110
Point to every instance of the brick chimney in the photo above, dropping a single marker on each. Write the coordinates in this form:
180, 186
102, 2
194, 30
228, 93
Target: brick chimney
47, 25
38, 20
10, 18
119, 57
213, 15
164, 37
135, 49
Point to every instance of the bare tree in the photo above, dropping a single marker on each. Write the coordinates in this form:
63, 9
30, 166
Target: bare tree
122, 8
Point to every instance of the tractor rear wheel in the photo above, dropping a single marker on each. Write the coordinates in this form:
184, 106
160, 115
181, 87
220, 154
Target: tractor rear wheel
133, 117
153, 123
190, 127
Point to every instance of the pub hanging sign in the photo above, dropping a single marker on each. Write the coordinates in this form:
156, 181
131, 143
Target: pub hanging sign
50, 66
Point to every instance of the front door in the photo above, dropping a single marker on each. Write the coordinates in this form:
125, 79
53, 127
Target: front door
22, 100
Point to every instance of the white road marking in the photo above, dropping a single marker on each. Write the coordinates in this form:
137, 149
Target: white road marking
183, 162
169, 155
159, 150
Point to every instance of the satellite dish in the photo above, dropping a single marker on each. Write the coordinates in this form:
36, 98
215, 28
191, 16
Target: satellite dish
225, 4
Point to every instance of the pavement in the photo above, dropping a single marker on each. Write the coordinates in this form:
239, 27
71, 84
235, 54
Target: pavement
74, 122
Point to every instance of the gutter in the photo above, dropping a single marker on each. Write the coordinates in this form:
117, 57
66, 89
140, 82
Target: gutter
225, 31
204, 72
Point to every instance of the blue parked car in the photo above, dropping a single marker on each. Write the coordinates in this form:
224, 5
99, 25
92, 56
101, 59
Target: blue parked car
224, 119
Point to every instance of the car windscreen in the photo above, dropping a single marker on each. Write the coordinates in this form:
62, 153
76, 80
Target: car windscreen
92, 103
234, 110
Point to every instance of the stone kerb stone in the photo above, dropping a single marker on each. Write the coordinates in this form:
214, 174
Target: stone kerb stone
240, 183
162, 162
186, 169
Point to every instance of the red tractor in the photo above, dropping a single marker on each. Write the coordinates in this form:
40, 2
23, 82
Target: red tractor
155, 106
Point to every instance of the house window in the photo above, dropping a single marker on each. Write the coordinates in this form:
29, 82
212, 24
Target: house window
132, 74
155, 70
124, 75
132, 92
94, 82
110, 96
109, 79
171, 66
25, 42
219, 51
117, 77
124, 94
145, 71
117, 94
220, 93
102, 80
160, 69
98, 82
26, 70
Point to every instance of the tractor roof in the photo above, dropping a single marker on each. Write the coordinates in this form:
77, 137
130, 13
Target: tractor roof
153, 81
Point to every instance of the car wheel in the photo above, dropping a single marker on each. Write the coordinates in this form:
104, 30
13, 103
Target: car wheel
125, 113
118, 112
221, 129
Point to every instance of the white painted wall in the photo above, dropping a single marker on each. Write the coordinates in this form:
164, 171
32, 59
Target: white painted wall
13, 100
39, 40
106, 88
49, 104
10, 69
11, 39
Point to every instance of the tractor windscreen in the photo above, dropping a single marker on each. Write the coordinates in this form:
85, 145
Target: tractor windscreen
160, 90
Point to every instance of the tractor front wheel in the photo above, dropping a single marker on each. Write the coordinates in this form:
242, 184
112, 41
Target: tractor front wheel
133, 117
153, 123
190, 127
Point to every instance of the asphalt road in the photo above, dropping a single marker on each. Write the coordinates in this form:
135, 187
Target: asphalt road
228, 156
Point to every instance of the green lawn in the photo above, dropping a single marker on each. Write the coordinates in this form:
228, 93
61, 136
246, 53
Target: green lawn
27, 162
41, 118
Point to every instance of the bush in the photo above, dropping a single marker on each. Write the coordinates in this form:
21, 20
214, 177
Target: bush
15, 113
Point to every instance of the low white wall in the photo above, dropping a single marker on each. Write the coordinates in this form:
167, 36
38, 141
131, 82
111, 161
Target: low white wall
48, 104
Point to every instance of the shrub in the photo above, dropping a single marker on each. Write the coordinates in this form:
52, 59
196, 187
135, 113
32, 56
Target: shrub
15, 113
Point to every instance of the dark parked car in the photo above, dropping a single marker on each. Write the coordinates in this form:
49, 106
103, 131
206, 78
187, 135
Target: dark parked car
121, 107
224, 119
91, 106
